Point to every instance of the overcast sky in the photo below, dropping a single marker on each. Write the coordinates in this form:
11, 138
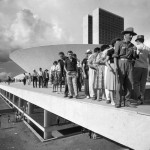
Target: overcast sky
26, 23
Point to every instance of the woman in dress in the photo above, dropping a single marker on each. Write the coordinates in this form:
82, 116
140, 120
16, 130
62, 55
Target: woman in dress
111, 77
92, 72
100, 74
52, 71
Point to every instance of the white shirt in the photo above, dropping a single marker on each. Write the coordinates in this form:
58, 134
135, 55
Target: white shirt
142, 61
55, 68
40, 73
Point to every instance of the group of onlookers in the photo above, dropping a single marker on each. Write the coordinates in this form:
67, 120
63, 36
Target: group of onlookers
111, 72
41, 77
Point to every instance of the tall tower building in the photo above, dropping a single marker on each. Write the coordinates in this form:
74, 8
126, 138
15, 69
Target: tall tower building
87, 29
105, 26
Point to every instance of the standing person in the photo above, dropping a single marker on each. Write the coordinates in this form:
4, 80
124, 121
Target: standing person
59, 74
92, 72
46, 78
40, 74
110, 75
71, 71
9, 80
24, 79
124, 57
9, 119
100, 73
105, 93
35, 76
29, 79
63, 72
85, 69
52, 71
79, 70
140, 69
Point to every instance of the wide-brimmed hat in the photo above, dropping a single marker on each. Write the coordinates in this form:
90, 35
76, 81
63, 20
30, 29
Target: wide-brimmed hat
139, 37
129, 30
89, 51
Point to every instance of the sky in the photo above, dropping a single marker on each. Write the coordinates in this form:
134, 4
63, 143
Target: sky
26, 23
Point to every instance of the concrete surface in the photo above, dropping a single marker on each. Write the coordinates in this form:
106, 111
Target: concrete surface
127, 126
17, 136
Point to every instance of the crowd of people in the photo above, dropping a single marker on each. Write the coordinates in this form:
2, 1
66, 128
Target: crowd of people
41, 77
112, 72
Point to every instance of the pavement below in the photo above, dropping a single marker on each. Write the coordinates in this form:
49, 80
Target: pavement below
17, 136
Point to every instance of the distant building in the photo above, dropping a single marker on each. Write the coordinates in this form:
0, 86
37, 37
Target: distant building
102, 27
87, 29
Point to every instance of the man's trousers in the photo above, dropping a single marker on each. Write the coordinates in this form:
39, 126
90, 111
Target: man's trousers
139, 81
124, 80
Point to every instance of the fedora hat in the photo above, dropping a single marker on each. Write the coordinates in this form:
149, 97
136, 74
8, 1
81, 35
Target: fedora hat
129, 30
140, 37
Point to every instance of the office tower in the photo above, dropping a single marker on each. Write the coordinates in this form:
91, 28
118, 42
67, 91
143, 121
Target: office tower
105, 27
87, 29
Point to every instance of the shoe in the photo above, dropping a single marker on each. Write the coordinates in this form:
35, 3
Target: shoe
93, 98
129, 104
77, 97
99, 99
70, 97
140, 100
108, 101
117, 105
88, 97
112, 103
65, 95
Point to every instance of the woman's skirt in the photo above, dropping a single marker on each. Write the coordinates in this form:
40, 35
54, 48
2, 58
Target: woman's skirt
99, 79
59, 77
111, 79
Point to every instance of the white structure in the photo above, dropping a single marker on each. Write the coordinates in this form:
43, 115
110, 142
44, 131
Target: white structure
129, 127
43, 56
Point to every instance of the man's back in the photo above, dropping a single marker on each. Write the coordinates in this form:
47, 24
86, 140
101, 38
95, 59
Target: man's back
143, 56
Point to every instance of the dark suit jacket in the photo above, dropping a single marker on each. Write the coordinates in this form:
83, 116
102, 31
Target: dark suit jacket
45, 75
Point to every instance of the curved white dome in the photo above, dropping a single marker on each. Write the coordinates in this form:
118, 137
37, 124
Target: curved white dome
43, 56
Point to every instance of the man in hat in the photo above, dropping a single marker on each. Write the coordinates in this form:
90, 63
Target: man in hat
140, 69
123, 58
85, 69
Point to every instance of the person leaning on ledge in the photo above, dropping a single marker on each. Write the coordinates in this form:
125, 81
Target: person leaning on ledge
124, 57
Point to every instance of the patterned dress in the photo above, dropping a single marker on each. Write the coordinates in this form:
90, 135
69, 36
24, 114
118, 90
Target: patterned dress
99, 79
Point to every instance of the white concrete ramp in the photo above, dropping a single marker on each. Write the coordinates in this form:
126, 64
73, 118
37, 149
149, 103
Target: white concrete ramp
129, 127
